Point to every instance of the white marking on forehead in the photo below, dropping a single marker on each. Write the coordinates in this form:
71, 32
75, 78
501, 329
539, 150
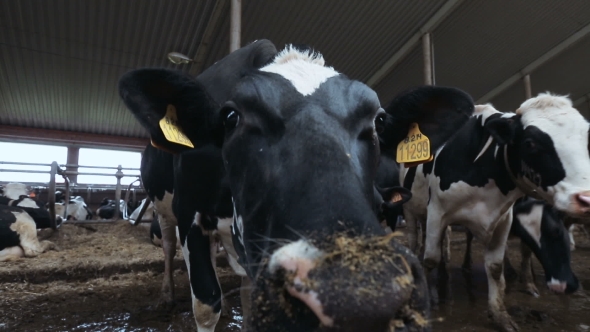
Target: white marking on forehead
304, 69
548, 111
531, 222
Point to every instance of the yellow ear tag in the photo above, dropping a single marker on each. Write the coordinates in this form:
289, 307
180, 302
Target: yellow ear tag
171, 130
414, 149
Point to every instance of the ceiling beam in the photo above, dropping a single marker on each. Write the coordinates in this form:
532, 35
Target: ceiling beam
208, 37
15, 134
430, 25
552, 53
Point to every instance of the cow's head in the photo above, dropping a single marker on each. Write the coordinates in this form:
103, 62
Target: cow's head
300, 148
540, 226
548, 151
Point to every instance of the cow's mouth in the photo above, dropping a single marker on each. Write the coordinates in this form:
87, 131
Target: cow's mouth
342, 284
557, 286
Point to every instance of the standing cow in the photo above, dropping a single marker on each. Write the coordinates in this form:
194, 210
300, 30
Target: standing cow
540, 228
286, 148
493, 160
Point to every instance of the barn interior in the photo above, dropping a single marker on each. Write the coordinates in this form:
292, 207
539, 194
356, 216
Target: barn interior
60, 61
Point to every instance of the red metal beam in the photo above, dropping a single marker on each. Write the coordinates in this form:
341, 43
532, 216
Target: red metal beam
70, 138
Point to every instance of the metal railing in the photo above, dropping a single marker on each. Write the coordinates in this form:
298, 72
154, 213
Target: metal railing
55, 169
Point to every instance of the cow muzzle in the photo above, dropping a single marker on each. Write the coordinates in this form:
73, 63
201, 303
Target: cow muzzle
348, 284
582, 203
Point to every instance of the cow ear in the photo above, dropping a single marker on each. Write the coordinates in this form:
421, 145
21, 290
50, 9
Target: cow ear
173, 107
395, 196
438, 111
503, 130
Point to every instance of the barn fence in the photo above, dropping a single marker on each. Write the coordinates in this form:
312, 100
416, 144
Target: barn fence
56, 170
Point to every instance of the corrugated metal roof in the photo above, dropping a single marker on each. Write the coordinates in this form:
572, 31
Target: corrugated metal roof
60, 60
356, 37
567, 74
482, 43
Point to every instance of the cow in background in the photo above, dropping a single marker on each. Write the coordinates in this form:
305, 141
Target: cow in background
541, 231
107, 207
493, 160
17, 195
76, 209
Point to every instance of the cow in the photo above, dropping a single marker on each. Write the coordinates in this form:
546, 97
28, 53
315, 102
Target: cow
76, 209
282, 150
540, 228
18, 234
388, 177
479, 173
106, 209
582, 224
17, 195
148, 214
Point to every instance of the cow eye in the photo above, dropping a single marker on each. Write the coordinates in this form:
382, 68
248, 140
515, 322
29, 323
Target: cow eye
380, 123
232, 119
529, 144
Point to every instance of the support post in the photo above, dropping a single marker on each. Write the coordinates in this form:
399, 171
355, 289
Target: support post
528, 92
51, 195
427, 56
73, 156
235, 27
119, 176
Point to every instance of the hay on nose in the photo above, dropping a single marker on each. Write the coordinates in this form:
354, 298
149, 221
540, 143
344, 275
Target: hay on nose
357, 282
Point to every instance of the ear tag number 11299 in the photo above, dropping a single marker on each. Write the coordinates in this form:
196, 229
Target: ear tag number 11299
414, 149
169, 127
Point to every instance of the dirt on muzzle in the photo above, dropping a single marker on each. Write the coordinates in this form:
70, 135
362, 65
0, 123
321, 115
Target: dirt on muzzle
359, 283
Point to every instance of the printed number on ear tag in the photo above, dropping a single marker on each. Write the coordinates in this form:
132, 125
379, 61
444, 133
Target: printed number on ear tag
415, 148
171, 130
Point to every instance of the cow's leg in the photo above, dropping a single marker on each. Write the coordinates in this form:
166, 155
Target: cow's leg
412, 225
571, 235
245, 293
494, 257
199, 253
509, 271
26, 228
526, 271
467, 261
224, 231
444, 273
435, 229
168, 227
11, 254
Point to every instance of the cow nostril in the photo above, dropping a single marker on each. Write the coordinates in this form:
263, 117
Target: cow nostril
583, 199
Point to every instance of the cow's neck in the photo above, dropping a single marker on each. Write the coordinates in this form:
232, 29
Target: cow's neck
514, 170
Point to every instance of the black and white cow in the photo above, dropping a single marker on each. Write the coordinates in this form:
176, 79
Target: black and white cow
388, 177
287, 148
107, 207
540, 228
76, 209
17, 195
493, 160
18, 234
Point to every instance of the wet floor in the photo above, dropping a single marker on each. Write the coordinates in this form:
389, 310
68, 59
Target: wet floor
127, 301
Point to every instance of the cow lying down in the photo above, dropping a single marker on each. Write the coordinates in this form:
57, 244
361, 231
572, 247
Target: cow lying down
540, 228
18, 235
76, 209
